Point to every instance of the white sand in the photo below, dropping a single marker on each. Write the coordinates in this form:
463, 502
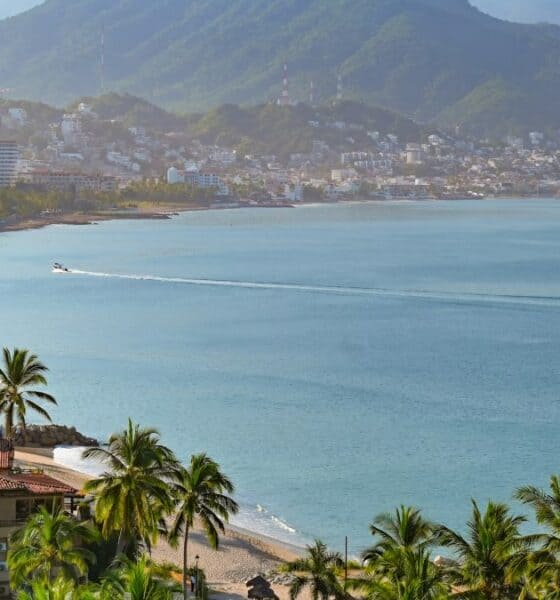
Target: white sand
241, 554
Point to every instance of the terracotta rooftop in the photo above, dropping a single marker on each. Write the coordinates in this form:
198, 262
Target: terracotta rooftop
36, 484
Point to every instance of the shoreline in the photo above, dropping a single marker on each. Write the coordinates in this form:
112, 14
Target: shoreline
162, 213
40, 222
148, 212
242, 553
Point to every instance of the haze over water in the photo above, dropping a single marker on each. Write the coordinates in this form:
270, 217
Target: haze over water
403, 353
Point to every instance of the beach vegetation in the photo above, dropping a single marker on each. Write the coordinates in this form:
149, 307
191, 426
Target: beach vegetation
20, 374
544, 564
61, 588
133, 494
27, 203
145, 494
201, 491
492, 559
411, 574
50, 546
318, 571
139, 579
405, 530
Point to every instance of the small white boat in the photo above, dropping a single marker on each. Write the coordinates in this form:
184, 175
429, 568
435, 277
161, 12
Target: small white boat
59, 268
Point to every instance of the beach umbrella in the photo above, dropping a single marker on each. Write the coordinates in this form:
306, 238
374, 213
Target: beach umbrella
262, 592
256, 581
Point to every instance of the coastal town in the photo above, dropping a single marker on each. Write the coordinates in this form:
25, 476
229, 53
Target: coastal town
84, 154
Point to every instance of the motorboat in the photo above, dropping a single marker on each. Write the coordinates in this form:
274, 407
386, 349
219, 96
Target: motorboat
59, 268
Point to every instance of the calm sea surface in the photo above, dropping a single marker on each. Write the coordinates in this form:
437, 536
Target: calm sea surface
389, 353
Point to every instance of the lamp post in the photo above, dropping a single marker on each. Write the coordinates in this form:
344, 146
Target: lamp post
345, 561
196, 577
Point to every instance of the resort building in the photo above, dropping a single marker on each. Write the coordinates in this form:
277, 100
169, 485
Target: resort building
196, 178
21, 493
8, 163
63, 181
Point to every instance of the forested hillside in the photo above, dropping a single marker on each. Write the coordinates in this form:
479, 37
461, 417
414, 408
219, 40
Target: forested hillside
429, 59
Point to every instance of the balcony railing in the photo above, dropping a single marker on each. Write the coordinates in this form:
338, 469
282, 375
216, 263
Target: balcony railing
12, 522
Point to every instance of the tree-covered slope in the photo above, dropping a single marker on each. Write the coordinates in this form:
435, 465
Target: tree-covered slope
425, 58
279, 130
264, 128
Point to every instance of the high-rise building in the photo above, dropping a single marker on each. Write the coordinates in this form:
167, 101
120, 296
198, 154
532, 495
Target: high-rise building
8, 163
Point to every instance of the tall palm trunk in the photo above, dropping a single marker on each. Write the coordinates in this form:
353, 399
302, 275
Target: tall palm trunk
185, 562
121, 542
9, 424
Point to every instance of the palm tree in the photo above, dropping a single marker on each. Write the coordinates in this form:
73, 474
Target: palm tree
544, 568
494, 556
417, 578
141, 579
406, 530
201, 491
133, 496
547, 512
60, 589
318, 572
21, 371
48, 544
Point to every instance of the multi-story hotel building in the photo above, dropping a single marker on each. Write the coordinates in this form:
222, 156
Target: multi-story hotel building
8, 163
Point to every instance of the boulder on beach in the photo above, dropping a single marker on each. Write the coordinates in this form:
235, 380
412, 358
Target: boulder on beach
49, 436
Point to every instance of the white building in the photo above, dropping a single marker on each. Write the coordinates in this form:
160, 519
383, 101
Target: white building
536, 138
174, 176
340, 175
71, 129
223, 156
293, 193
8, 163
413, 154
197, 179
191, 166
117, 158
86, 109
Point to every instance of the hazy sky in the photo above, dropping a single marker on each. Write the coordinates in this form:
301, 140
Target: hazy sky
12, 7
521, 10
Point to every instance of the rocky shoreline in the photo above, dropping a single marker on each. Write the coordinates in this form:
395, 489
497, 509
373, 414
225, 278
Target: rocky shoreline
10, 225
50, 436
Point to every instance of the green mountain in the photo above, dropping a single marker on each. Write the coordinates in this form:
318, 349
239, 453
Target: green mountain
429, 59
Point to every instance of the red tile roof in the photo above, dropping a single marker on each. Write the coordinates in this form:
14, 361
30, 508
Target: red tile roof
36, 484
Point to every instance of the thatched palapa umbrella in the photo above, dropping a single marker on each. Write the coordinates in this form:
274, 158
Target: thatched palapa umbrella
259, 589
262, 592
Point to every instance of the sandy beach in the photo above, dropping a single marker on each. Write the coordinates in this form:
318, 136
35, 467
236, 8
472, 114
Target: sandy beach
242, 554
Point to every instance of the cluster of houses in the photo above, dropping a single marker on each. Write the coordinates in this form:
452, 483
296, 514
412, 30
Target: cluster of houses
83, 152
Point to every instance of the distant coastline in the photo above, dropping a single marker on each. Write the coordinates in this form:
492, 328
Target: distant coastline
152, 211
155, 211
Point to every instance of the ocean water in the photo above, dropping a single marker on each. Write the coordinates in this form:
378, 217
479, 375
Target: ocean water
337, 360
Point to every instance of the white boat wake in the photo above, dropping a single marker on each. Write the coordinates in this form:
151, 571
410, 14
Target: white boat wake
457, 297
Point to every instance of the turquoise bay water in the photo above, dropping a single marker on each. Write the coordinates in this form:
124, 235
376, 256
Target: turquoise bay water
405, 353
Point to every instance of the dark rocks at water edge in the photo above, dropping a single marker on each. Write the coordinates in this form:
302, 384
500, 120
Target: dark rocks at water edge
49, 436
